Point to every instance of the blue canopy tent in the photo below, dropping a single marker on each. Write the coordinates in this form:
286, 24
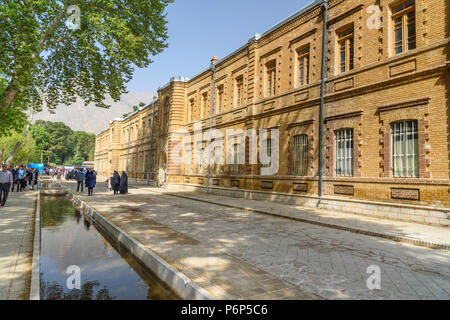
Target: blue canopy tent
39, 166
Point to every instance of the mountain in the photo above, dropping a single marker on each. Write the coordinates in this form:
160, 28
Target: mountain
91, 119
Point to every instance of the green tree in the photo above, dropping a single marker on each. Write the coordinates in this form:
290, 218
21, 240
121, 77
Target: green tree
135, 108
45, 61
28, 151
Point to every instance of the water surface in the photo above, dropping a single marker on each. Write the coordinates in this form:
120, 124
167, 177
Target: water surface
108, 270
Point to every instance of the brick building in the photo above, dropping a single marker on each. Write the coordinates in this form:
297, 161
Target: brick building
386, 133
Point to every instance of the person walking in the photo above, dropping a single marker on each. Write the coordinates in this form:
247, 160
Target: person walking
6, 183
80, 180
91, 180
124, 183
115, 182
35, 178
21, 179
29, 177
14, 174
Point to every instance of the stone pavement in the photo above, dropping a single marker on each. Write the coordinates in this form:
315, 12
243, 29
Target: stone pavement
414, 233
234, 253
16, 245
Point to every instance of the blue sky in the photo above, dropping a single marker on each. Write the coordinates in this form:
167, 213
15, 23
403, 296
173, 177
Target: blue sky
200, 29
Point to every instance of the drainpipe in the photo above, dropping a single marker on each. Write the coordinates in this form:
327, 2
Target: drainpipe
151, 142
322, 95
213, 66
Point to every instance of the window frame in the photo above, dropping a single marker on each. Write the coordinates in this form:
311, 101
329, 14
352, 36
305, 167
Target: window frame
403, 14
303, 152
303, 60
239, 83
220, 98
346, 41
235, 169
405, 156
204, 105
347, 156
271, 78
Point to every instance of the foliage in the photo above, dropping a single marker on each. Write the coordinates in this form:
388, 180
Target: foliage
28, 152
45, 62
135, 108
60, 144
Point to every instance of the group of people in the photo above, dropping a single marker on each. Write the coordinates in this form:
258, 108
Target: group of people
16, 177
87, 178
118, 183
23, 177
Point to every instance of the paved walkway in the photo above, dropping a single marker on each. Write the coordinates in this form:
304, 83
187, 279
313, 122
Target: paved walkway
16, 245
234, 253
414, 233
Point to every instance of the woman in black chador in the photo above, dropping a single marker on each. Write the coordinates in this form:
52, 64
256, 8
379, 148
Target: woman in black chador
115, 182
124, 183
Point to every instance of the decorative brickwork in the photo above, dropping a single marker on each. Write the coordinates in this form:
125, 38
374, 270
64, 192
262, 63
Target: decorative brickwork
345, 121
409, 110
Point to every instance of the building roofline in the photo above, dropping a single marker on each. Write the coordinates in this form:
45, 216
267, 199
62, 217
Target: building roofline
129, 116
258, 36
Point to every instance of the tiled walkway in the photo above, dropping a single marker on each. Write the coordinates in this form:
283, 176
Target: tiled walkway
235, 253
16, 241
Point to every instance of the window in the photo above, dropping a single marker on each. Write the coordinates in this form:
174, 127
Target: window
202, 158
239, 91
187, 150
301, 155
346, 45
166, 115
191, 110
271, 79
235, 170
303, 66
216, 162
344, 152
204, 104
268, 143
220, 99
404, 19
405, 146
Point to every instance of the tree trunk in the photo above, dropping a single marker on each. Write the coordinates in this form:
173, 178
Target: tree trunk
1, 155
7, 99
13, 153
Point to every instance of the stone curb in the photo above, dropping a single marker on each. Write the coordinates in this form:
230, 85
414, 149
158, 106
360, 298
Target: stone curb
176, 280
35, 288
403, 239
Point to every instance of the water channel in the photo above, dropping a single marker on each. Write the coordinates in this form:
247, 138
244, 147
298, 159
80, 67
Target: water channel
70, 240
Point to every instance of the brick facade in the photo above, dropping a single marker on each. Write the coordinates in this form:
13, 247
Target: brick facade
382, 88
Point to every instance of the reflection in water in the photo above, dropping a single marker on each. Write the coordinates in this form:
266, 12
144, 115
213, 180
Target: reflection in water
108, 271
54, 291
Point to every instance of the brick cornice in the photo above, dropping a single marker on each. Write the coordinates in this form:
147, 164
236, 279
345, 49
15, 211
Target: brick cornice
303, 36
344, 116
406, 104
265, 55
345, 14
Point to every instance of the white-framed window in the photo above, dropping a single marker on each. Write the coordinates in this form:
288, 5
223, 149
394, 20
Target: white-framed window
343, 152
303, 66
239, 91
188, 151
235, 169
220, 99
405, 149
301, 155
346, 50
404, 22
271, 74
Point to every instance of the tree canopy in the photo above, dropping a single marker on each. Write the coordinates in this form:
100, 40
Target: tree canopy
45, 61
